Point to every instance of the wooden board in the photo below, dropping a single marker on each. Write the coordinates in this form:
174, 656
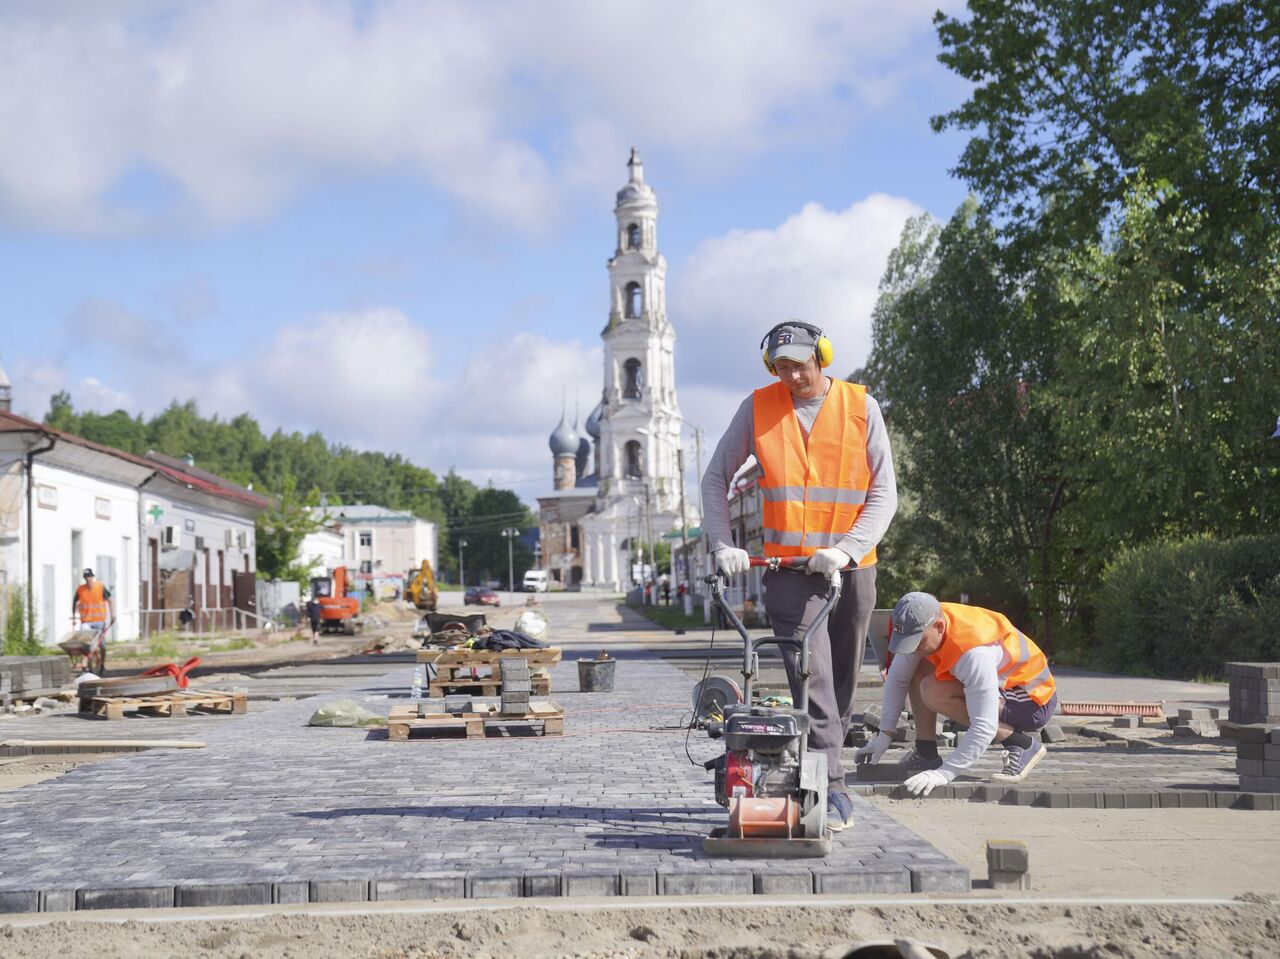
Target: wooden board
171, 704
487, 657
483, 686
475, 721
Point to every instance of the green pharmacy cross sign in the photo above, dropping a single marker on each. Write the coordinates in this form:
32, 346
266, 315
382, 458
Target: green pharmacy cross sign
155, 513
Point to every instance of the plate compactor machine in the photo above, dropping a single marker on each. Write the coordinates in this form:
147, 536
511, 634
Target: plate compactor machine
774, 786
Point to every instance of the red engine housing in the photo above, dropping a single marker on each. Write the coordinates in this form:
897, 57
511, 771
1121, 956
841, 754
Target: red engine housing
739, 776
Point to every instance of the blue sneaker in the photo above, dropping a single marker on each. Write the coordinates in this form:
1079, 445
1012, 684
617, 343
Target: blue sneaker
839, 811
1019, 762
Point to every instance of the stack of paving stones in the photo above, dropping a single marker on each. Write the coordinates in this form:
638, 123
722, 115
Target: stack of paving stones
516, 685
276, 811
1258, 757
1200, 721
1254, 693
26, 677
1008, 864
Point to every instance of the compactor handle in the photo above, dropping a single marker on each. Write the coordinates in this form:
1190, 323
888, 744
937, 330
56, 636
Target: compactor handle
780, 562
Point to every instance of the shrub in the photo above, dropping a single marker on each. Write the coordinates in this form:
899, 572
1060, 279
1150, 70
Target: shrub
1183, 608
21, 638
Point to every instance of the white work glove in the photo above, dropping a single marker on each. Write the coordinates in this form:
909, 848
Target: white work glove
732, 561
826, 562
921, 784
872, 751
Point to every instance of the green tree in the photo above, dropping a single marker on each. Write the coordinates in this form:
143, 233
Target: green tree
282, 527
958, 362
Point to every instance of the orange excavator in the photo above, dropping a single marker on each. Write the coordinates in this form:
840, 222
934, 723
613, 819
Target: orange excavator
339, 613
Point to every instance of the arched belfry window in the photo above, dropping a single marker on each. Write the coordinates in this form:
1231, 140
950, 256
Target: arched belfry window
632, 379
633, 236
632, 458
634, 300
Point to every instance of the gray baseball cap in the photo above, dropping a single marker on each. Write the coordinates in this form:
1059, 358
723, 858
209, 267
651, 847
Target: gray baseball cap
914, 613
789, 342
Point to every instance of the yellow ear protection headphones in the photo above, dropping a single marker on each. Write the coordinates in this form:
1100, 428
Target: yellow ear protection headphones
823, 351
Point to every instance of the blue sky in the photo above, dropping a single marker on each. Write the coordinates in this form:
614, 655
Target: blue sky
389, 221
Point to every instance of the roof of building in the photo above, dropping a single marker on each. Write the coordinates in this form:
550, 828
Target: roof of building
368, 513
593, 421
564, 441
636, 191
201, 480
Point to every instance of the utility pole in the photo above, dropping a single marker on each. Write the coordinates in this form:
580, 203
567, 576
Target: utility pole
462, 572
653, 548
510, 534
687, 605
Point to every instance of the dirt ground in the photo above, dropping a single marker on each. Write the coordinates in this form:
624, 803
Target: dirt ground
795, 931
19, 771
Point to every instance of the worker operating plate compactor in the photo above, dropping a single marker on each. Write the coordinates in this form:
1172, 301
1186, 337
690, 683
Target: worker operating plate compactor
774, 786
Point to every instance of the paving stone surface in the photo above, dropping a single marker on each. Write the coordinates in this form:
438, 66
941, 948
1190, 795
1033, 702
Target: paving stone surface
613, 807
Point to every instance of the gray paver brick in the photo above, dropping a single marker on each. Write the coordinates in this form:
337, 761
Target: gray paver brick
494, 884
884, 878
541, 884
1002, 879
722, 882
1008, 855
225, 894
587, 882
338, 890
939, 877
20, 900
638, 882
784, 882
125, 897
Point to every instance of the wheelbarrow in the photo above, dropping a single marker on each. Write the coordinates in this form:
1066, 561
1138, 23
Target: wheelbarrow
87, 651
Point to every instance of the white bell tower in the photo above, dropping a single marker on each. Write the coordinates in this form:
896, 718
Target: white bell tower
639, 418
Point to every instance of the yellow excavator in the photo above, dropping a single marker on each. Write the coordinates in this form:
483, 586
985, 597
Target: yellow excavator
421, 589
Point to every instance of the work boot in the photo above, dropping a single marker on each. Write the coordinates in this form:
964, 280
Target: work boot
1019, 762
839, 811
913, 763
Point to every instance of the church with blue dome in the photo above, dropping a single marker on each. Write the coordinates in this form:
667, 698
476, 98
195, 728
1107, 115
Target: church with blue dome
617, 476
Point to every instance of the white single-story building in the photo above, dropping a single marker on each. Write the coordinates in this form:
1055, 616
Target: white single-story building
161, 535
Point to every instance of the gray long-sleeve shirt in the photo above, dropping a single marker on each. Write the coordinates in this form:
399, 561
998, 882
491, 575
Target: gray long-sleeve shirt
738, 444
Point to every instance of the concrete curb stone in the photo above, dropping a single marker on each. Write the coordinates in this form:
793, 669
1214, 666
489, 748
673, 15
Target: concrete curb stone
224, 894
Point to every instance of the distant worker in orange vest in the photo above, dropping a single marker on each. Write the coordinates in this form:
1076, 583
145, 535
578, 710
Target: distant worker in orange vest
975, 667
828, 493
93, 607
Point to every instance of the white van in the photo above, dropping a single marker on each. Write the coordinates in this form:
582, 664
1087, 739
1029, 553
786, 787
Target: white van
535, 581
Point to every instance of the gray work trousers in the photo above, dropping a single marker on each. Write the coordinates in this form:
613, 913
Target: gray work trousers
792, 600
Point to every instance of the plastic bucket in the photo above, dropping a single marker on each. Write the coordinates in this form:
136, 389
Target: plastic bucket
596, 675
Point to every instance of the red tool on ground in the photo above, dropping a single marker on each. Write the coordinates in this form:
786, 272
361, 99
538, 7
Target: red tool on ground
179, 673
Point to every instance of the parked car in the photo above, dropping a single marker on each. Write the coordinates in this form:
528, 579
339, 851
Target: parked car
480, 596
535, 581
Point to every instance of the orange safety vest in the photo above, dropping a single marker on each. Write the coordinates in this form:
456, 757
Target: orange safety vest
92, 603
971, 626
813, 492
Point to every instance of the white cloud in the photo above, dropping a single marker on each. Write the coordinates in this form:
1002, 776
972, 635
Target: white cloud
369, 378
240, 103
820, 265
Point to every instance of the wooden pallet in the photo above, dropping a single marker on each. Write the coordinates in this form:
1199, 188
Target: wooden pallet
474, 719
460, 658
483, 686
456, 670
171, 704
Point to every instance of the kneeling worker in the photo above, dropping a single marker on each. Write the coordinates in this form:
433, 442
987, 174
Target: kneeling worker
973, 666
